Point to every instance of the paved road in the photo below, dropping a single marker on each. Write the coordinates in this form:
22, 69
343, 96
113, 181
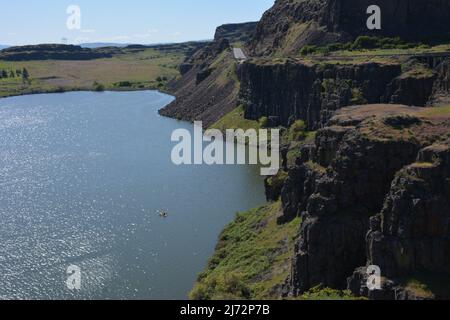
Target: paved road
239, 54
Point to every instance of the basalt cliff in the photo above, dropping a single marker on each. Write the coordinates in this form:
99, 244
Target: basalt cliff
372, 189
365, 149
291, 24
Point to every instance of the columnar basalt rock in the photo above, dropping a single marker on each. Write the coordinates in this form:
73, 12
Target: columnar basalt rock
288, 90
441, 87
293, 90
343, 185
411, 235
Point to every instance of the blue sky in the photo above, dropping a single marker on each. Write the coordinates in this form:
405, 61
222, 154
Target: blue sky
131, 21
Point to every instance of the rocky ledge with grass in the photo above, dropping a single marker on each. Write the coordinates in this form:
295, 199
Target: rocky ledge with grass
372, 190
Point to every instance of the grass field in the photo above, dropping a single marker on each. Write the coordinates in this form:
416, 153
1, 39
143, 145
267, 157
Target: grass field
134, 70
379, 55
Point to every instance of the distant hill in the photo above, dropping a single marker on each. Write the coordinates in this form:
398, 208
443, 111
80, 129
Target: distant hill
51, 51
2, 46
96, 45
72, 52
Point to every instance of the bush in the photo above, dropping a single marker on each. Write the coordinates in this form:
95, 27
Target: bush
297, 131
226, 286
275, 185
99, 87
123, 84
357, 97
307, 50
365, 42
264, 122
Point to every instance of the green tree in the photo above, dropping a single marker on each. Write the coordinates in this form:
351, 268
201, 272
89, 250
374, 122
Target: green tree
12, 74
25, 75
98, 86
4, 74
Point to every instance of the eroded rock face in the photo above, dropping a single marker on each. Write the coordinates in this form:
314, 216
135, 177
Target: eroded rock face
343, 184
290, 89
293, 90
412, 232
441, 88
289, 25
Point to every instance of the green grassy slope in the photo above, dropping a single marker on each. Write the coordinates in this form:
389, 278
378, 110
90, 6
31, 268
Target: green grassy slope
252, 259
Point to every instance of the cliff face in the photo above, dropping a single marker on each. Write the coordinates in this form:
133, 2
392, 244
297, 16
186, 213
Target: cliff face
343, 180
293, 90
290, 90
441, 86
208, 88
291, 24
411, 234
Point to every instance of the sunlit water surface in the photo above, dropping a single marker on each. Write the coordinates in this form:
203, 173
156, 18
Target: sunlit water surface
82, 176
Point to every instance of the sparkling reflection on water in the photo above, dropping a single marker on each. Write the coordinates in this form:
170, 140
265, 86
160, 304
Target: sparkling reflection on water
82, 176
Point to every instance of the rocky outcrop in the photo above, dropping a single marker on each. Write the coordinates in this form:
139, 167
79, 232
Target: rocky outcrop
412, 232
441, 87
343, 183
291, 24
236, 32
288, 89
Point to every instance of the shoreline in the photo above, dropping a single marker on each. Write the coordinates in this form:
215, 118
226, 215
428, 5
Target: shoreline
62, 90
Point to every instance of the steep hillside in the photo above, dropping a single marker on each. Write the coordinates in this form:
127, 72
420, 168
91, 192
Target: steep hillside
291, 24
209, 87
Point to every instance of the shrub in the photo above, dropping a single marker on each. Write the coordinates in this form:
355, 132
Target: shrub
297, 131
99, 87
357, 97
264, 122
226, 286
307, 50
365, 42
123, 84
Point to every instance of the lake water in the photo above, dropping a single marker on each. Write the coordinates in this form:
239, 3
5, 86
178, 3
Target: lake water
82, 176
